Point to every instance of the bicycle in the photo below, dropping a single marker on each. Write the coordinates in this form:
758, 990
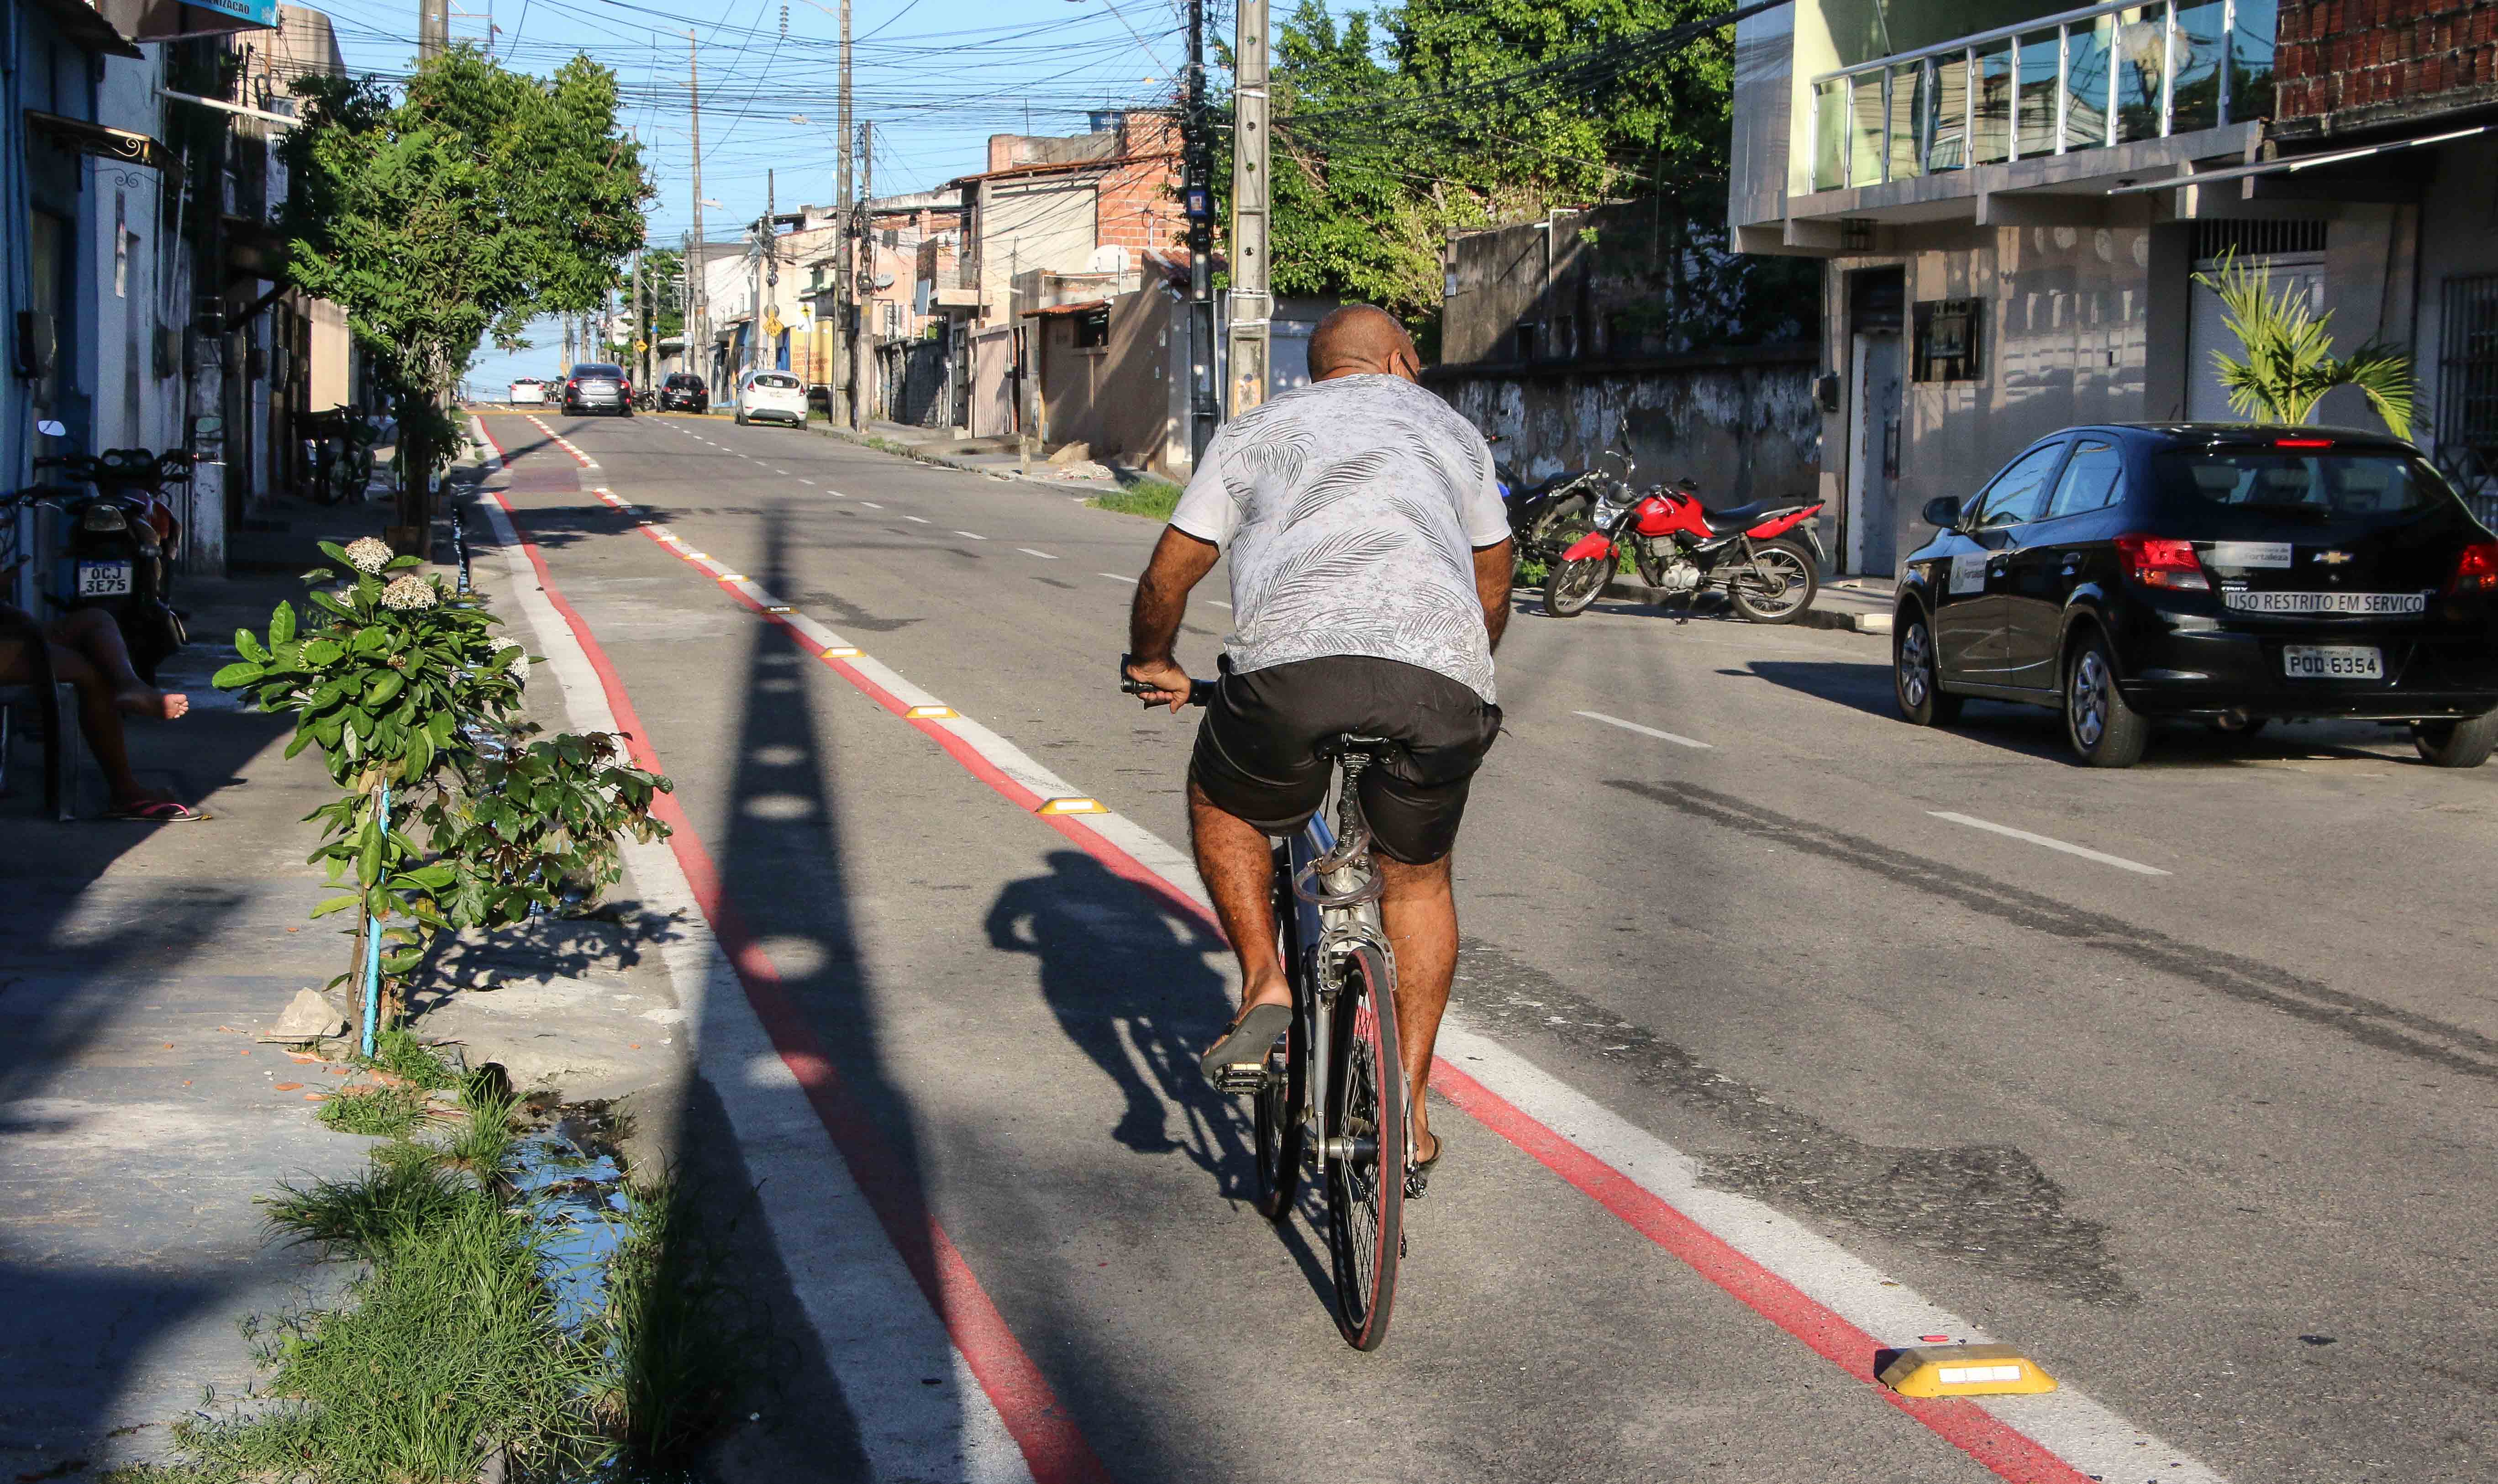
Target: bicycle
1331, 1096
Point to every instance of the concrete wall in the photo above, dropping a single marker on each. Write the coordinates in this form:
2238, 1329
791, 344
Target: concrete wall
1741, 423
1126, 400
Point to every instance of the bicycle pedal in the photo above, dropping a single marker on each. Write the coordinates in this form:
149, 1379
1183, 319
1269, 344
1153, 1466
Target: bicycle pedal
1241, 1077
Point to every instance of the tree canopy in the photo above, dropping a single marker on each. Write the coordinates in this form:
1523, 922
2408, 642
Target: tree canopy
1397, 128
457, 209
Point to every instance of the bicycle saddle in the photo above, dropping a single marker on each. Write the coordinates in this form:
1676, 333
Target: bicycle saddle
1331, 748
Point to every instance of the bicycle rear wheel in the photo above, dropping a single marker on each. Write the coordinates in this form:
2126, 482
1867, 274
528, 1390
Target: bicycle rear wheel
1366, 1172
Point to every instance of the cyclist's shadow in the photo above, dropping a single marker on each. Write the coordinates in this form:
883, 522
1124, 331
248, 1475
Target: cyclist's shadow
1134, 986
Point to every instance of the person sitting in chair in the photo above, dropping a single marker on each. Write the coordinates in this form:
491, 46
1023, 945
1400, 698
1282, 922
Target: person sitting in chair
84, 648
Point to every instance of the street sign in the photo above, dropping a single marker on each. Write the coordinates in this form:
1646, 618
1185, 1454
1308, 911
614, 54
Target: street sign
640, 346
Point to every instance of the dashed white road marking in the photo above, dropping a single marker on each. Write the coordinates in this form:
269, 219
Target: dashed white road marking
974, 534
1042, 555
916, 519
1116, 577
1216, 602
1645, 732
870, 504
806, 481
2053, 844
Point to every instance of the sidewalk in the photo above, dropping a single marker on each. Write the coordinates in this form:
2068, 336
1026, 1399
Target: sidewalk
997, 456
1857, 604
141, 1116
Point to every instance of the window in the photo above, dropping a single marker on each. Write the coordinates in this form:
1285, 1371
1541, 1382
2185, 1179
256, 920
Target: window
2091, 481
1947, 348
2020, 493
1093, 328
2335, 482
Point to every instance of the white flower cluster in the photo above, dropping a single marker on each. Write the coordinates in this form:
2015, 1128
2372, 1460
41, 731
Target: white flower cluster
408, 591
368, 554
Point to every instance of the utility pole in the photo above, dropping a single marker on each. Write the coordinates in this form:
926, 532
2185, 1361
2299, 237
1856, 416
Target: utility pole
855, 322
432, 29
641, 362
1196, 160
1251, 305
838, 395
697, 309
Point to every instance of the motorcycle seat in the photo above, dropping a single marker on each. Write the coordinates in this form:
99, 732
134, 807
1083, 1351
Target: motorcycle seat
1743, 517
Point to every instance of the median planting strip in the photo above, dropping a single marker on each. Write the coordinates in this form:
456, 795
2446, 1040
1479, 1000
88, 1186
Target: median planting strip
1806, 1284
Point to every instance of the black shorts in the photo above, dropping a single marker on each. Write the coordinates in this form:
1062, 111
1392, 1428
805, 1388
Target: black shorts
1256, 755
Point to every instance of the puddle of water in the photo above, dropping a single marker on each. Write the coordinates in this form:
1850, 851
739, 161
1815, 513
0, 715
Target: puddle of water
577, 1201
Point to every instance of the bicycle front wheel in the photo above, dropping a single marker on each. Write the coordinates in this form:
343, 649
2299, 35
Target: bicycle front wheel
1365, 1166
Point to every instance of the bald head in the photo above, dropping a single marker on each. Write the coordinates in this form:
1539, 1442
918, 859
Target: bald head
1359, 340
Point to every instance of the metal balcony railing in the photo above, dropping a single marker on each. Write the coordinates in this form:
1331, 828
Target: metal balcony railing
2078, 80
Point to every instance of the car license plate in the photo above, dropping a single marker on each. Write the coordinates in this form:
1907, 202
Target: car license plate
2264, 601
103, 579
2333, 661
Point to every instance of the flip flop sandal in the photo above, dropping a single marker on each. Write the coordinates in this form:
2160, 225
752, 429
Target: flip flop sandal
156, 811
1418, 1176
1237, 1063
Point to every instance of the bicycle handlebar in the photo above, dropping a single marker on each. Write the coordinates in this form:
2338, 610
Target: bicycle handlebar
1200, 692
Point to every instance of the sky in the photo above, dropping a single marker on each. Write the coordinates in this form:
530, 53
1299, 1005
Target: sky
936, 76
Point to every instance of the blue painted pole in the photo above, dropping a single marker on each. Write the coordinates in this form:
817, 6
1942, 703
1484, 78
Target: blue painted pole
373, 950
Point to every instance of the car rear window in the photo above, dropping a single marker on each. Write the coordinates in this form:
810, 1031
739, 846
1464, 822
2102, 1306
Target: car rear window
777, 383
615, 372
681, 379
2332, 482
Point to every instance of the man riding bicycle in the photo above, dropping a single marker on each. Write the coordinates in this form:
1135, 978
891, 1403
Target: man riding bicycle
1370, 571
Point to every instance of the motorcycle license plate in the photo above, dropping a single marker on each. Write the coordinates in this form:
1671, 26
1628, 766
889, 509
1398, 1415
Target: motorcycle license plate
103, 579
2333, 661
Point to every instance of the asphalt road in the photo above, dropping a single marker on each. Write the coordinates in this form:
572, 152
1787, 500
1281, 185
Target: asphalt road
2199, 1118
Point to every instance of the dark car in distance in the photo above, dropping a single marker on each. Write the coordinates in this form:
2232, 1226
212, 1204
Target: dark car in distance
2223, 572
596, 387
684, 390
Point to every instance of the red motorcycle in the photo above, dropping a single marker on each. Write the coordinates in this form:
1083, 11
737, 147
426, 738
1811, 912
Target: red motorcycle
1766, 555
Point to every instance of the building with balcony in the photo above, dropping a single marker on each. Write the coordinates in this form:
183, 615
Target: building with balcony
2012, 201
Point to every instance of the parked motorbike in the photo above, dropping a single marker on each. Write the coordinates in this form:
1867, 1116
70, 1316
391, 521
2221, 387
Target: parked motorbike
120, 544
1541, 514
1764, 554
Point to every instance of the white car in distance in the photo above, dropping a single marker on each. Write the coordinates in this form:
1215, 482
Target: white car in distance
771, 395
527, 390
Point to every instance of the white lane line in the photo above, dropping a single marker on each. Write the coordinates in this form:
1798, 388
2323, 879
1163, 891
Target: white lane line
1042, 555
1645, 732
870, 504
2070, 849
782, 473
919, 519
974, 534
808, 482
1116, 577
1216, 602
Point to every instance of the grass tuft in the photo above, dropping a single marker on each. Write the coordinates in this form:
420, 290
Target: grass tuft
679, 1367
1154, 499
397, 1051
388, 1111
406, 1191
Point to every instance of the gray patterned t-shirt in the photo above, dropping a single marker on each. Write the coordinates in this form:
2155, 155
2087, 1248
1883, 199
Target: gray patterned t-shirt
1351, 509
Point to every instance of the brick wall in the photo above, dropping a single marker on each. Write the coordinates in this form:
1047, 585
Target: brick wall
2350, 63
1136, 205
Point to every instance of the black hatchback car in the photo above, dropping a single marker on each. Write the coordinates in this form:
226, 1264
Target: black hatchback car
2231, 574
684, 390
597, 387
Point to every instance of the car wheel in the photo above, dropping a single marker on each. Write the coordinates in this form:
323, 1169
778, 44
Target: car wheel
2457, 744
739, 418
1916, 682
2104, 731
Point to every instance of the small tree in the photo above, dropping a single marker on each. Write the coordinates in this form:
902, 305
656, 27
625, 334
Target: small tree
402, 686
452, 212
2289, 363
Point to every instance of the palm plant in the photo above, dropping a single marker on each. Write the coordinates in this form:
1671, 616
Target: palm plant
2289, 363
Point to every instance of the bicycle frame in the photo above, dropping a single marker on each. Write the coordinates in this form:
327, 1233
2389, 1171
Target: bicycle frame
1324, 931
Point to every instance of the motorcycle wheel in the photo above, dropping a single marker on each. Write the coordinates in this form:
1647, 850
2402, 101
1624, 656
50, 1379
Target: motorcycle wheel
1780, 586
1571, 586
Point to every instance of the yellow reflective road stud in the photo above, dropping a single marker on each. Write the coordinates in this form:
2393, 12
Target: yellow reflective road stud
1965, 1370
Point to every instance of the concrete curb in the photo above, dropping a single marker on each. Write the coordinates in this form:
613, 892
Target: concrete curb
875, 444
1813, 618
